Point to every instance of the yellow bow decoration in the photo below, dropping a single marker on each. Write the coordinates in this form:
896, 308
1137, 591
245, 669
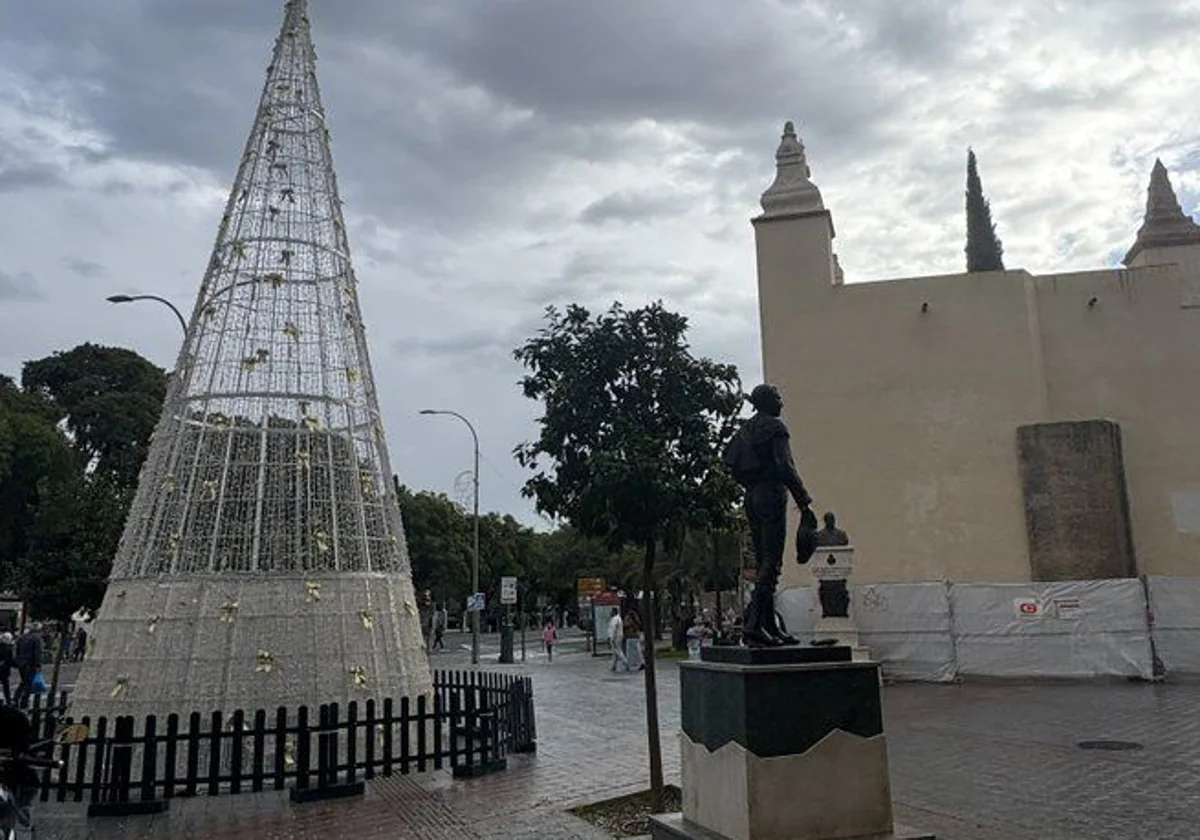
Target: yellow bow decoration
266, 662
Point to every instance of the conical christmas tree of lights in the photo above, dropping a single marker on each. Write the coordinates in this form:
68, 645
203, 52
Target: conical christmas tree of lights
264, 563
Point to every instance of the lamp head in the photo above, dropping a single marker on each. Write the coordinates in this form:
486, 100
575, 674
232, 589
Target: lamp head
119, 299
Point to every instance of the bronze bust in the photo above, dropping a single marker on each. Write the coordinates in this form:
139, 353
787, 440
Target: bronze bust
833, 594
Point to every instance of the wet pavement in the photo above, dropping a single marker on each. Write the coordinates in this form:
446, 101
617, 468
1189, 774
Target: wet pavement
970, 762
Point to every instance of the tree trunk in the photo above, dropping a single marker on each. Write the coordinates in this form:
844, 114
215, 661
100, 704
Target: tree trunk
52, 696
648, 635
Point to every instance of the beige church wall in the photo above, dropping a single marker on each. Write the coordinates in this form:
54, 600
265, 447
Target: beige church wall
904, 422
1134, 357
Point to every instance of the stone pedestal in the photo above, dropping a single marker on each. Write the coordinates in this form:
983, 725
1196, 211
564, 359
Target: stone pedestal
782, 744
832, 568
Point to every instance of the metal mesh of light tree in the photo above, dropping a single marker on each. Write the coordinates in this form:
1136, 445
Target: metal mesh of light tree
265, 526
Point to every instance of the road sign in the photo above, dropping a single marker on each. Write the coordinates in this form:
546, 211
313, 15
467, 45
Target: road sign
588, 587
508, 590
476, 602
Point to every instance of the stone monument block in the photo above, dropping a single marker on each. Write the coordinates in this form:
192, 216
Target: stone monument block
791, 750
1076, 502
832, 567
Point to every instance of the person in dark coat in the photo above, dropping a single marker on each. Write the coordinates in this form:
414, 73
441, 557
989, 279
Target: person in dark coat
7, 661
29, 652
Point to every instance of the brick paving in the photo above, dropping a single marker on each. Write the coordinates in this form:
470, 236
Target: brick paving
971, 762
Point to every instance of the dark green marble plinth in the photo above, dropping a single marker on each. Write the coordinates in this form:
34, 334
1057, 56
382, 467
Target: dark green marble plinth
787, 655
775, 710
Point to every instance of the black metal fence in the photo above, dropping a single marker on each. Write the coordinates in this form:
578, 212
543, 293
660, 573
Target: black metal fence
470, 724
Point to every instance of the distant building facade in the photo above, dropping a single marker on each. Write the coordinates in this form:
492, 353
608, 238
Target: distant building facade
995, 426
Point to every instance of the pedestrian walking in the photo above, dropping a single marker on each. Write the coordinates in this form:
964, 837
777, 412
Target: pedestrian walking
549, 639
633, 643
616, 640
695, 638
80, 648
29, 650
7, 661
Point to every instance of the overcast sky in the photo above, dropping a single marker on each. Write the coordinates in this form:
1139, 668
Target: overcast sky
499, 156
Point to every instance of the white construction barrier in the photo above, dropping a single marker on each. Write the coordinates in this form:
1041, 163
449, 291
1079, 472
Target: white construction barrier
798, 607
1073, 629
907, 627
1087, 628
1175, 605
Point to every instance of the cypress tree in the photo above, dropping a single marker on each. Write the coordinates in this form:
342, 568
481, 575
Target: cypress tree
984, 251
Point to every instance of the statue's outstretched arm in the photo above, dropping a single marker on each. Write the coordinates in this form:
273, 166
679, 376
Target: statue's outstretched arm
786, 469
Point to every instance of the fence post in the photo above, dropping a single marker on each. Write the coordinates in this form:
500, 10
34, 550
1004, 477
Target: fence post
524, 740
327, 764
114, 801
482, 728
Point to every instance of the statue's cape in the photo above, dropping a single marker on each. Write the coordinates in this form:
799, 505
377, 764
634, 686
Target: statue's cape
748, 454
762, 428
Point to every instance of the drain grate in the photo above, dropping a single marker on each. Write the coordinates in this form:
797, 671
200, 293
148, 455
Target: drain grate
1109, 745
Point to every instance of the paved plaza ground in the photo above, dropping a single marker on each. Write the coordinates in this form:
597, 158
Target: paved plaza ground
970, 762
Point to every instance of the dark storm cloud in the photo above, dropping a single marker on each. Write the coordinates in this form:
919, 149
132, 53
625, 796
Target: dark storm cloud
1109, 25
452, 109
920, 34
634, 207
496, 156
595, 278
27, 176
1051, 101
18, 286
86, 268
488, 347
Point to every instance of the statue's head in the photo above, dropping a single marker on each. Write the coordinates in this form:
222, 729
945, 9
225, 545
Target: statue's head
766, 398
830, 519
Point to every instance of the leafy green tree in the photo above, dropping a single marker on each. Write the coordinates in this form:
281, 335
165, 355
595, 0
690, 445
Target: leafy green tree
439, 536
33, 452
567, 554
700, 560
439, 544
984, 251
631, 435
109, 397
76, 530
72, 442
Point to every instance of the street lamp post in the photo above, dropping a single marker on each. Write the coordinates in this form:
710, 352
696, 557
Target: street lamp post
475, 554
163, 301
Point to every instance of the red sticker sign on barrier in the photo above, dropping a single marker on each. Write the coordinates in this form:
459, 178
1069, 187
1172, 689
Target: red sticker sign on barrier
1027, 607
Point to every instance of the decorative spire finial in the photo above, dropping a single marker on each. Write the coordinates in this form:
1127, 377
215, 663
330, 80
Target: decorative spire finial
792, 191
1165, 224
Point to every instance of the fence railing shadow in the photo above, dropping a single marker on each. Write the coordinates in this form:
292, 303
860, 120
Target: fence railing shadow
470, 724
